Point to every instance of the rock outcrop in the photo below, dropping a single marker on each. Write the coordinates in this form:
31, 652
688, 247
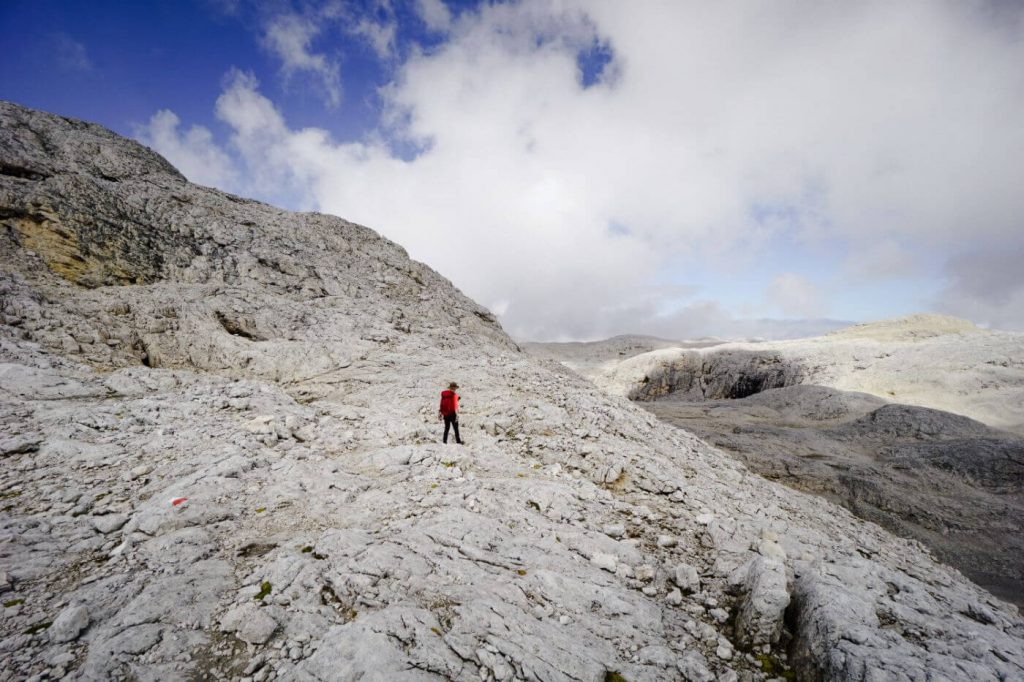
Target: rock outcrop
252, 393
924, 360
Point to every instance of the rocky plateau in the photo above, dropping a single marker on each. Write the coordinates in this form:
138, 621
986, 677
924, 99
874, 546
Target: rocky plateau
950, 481
221, 460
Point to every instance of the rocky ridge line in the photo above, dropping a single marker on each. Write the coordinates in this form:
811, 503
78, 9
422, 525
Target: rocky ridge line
930, 361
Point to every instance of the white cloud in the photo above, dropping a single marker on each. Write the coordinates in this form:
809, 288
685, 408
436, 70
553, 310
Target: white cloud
881, 260
795, 296
192, 151
435, 14
987, 286
379, 34
289, 37
727, 129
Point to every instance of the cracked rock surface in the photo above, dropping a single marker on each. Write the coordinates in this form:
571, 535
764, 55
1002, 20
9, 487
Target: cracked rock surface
253, 393
953, 483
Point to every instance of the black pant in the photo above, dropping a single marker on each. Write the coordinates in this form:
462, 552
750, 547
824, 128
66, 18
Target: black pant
453, 421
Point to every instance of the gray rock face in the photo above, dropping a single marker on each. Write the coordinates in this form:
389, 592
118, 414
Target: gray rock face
726, 374
109, 523
687, 578
944, 479
257, 628
694, 668
275, 375
69, 624
764, 602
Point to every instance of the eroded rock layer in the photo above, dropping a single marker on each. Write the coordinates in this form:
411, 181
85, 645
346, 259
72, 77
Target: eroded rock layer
219, 439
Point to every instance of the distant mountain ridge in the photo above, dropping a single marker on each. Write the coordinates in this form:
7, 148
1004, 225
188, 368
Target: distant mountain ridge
927, 360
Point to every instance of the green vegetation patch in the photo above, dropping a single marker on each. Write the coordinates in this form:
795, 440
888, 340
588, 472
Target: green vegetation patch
773, 667
265, 589
13, 602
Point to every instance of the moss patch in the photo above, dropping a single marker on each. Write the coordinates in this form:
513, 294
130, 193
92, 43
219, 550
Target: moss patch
265, 589
773, 667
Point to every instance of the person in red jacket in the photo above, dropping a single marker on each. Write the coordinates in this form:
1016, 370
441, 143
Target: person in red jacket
449, 411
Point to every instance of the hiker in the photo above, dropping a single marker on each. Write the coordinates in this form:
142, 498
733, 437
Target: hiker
449, 411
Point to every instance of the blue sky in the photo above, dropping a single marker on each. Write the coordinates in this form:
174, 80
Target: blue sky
593, 168
119, 62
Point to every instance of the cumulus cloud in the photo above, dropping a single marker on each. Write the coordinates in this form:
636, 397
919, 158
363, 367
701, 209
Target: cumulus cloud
701, 318
795, 296
379, 34
884, 259
435, 14
192, 151
373, 22
987, 287
289, 36
715, 131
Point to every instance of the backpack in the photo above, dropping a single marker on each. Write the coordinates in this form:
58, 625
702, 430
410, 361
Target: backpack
447, 402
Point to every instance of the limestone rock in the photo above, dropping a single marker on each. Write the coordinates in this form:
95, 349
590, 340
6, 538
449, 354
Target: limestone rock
946, 480
914, 423
687, 578
694, 667
279, 374
69, 624
606, 561
615, 530
108, 523
257, 628
764, 601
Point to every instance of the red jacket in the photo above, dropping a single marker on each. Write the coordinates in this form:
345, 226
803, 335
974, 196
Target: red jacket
449, 402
